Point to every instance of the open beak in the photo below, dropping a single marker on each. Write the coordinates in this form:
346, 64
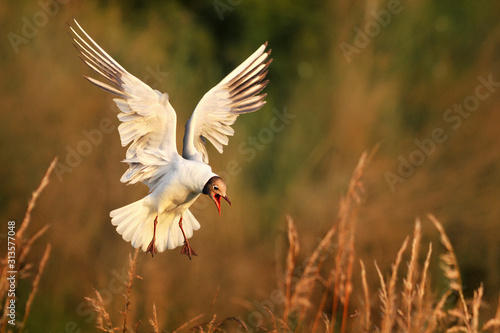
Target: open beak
216, 198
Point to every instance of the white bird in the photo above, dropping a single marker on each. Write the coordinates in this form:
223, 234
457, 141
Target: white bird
162, 219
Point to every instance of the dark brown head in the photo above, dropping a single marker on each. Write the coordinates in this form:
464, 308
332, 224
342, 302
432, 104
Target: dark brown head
216, 189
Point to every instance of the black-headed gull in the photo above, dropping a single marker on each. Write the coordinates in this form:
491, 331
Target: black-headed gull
162, 219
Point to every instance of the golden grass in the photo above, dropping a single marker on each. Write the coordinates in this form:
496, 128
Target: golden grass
494, 322
408, 282
322, 295
154, 321
103, 321
36, 282
293, 252
23, 266
366, 294
128, 285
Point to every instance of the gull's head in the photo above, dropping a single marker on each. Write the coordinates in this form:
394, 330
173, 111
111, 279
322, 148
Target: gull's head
216, 189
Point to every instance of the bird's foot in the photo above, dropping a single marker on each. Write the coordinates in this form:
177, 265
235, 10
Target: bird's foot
188, 250
152, 247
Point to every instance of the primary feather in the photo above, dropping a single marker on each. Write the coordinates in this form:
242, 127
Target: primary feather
236, 94
148, 120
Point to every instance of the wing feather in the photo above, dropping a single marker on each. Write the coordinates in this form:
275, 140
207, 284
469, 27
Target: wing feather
148, 121
236, 94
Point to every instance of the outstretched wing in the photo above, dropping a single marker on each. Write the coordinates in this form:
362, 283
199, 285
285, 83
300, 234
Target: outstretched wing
148, 119
236, 94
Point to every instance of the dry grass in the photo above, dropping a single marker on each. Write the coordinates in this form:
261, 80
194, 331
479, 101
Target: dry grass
324, 294
104, 322
293, 252
320, 297
154, 321
23, 263
393, 92
131, 275
494, 322
36, 282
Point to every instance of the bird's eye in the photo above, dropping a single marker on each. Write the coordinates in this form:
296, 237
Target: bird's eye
216, 187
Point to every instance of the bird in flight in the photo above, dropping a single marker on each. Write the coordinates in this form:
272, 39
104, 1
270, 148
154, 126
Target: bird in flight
162, 219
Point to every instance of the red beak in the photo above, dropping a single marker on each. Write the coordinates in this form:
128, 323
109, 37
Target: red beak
216, 199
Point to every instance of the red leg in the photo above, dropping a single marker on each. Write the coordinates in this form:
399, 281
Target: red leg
186, 248
152, 247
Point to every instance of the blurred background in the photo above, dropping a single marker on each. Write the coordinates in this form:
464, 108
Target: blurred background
415, 82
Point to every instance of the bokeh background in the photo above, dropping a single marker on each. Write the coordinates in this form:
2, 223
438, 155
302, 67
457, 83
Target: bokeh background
351, 76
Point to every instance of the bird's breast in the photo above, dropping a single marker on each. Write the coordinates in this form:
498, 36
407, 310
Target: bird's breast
175, 197
181, 186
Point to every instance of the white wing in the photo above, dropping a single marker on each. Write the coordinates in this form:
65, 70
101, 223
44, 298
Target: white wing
236, 94
148, 119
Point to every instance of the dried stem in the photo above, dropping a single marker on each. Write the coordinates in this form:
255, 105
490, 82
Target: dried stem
366, 296
103, 319
438, 313
476, 303
154, 320
494, 322
319, 313
34, 197
36, 282
408, 293
389, 308
452, 270
293, 251
22, 249
27, 244
186, 324
348, 286
421, 289
131, 275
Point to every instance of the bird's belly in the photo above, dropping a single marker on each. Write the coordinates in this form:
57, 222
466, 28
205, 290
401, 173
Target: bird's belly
176, 201
176, 192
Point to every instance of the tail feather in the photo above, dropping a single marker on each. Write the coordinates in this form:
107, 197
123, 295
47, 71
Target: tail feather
130, 225
190, 223
169, 234
131, 221
135, 222
143, 232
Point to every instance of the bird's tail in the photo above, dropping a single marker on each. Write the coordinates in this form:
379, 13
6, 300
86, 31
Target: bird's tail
135, 222
169, 234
